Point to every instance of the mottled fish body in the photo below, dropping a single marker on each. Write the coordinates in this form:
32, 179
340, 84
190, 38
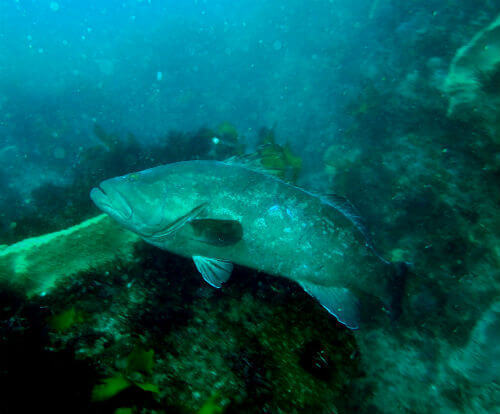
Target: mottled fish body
221, 213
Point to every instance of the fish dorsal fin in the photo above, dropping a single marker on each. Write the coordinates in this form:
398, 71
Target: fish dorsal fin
214, 271
251, 162
339, 301
172, 227
344, 206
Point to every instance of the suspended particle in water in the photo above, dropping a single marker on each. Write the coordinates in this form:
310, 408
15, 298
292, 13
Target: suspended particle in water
159, 76
54, 6
277, 45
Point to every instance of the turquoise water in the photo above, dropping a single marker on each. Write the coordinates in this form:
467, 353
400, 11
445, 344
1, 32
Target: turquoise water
392, 105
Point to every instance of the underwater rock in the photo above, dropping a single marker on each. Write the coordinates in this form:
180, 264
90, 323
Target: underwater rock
473, 67
479, 361
315, 359
340, 159
35, 265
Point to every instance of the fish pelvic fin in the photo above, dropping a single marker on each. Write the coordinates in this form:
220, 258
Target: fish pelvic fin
214, 271
338, 301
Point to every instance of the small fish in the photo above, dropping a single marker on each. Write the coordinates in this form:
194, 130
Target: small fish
218, 213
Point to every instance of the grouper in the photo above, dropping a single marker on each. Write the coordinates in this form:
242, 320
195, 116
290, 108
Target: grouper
224, 213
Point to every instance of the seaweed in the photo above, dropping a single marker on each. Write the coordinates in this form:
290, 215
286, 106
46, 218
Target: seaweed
276, 158
66, 319
140, 360
109, 387
138, 363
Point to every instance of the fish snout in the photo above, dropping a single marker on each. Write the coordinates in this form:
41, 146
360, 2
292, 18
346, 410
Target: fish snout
98, 196
111, 201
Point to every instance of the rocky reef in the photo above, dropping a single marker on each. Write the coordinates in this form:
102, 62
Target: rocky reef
125, 328
149, 334
95, 321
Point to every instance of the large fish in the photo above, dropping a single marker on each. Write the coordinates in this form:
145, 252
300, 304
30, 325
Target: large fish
220, 213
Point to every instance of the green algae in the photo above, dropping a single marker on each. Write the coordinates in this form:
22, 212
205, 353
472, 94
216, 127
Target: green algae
227, 131
212, 405
109, 387
66, 319
124, 410
278, 159
149, 387
140, 360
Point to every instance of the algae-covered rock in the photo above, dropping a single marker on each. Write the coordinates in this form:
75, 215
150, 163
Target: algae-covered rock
340, 159
479, 361
34, 265
475, 64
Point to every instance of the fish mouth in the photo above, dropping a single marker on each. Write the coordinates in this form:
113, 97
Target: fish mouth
111, 201
99, 187
100, 197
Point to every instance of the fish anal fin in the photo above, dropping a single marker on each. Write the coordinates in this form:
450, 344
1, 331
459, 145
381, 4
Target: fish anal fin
338, 301
214, 271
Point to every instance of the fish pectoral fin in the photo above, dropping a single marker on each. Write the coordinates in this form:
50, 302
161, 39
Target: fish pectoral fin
214, 271
339, 301
171, 228
217, 232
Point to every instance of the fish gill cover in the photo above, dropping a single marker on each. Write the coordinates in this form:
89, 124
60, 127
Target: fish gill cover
374, 129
